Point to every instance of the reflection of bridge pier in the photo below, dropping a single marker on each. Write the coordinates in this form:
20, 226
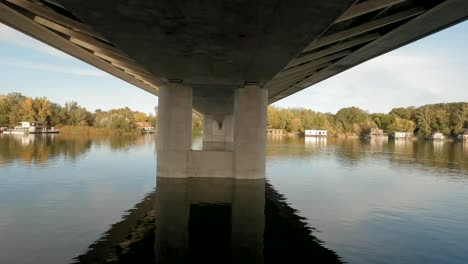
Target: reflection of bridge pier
210, 221
210, 225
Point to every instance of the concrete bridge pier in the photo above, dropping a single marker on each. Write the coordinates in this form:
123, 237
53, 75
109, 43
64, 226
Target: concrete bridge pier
250, 112
218, 133
233, 144
174, 130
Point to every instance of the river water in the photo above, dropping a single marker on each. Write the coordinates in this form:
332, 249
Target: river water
73, 199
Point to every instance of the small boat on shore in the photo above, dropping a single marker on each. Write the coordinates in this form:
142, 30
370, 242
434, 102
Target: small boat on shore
437, 136
463, 137
31, 128
376, 134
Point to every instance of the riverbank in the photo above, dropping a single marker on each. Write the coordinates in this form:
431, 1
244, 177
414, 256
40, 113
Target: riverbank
97, 131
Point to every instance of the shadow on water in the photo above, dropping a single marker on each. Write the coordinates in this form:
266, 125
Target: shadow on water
210, 221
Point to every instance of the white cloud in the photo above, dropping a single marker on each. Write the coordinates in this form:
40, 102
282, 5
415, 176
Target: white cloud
11, 36
392, 80
52, 68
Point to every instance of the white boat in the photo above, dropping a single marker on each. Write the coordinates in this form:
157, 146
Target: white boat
315, 133
437, 136
463, 136
31, 128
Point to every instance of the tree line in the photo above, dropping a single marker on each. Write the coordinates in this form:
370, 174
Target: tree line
447, 118
16, 107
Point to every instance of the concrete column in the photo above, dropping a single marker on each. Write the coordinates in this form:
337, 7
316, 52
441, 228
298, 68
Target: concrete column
218, 135
250, 111
174, 130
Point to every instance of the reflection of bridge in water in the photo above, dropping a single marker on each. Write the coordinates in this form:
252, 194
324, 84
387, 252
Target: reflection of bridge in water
210, 221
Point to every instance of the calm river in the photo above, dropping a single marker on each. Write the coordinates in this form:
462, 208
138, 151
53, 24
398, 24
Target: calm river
91, 200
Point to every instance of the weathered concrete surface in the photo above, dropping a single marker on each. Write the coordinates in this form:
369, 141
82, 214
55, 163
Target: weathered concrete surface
250, 112
174, 130
218, 129
213, 46
218, 132
211, 164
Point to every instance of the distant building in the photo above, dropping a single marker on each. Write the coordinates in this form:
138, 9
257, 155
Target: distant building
142, 124
145, 127
272, 131
463, 136
376, 133
316, 133
403, 135
437, 136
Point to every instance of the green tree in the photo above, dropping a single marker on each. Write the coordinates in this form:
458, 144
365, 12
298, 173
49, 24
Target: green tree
353, 120
43, 109
140, 117
197, 123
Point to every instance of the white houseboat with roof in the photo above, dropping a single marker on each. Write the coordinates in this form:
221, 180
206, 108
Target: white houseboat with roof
376, 134
463, 136
31, 128
402, 135
315, 133
437, 136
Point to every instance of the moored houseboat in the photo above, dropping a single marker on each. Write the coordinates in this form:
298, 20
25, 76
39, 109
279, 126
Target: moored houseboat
276, 132
463, 136
3, 128
437, 136
377, 134
31, 128
145, 127
399, 135
315, 133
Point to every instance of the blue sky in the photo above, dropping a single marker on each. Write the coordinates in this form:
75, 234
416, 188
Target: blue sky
431, 70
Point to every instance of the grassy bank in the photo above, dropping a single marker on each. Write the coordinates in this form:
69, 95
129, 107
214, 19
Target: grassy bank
95, 131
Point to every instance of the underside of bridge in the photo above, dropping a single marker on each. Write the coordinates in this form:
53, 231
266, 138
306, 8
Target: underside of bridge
226, 59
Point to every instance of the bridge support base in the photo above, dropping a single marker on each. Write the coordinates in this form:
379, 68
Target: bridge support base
233, 145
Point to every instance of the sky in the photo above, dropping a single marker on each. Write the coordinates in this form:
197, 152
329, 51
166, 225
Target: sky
431, 70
